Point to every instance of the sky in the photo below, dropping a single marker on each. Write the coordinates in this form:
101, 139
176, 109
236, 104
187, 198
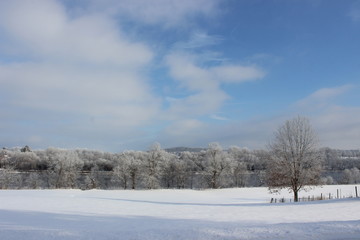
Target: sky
117, 75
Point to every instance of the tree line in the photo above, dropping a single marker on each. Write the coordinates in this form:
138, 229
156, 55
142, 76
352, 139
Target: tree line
291, 161
212, 167
156, 168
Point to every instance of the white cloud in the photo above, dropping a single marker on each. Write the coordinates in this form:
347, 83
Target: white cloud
237, 73
75, 79
81, 69
168, 13
203, 84
204, 96
42, 29
354, 12
184, 127
217, 117
322, 97
253, 134
338, 127
355, 15
183, 68
199, 39
336, 124
75, 90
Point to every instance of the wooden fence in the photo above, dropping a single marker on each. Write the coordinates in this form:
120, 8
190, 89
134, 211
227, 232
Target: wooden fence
322, 196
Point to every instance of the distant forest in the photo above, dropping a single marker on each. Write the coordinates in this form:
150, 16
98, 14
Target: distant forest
192, 168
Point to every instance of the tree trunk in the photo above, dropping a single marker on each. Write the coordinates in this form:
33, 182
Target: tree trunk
133, 180
125, 181
296, 196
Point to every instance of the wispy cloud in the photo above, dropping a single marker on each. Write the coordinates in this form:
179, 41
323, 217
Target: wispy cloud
167, 13
217, 117
199, 39
203, 84
338, 127
354, 12
237, 73
336, 123
184, 127
323, 97
253, 134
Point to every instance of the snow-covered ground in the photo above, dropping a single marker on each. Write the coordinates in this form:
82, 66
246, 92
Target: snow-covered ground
176, 214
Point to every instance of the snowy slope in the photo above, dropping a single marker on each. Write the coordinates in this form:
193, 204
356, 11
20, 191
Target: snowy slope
176, 214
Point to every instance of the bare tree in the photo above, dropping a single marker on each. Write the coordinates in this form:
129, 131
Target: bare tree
295, 161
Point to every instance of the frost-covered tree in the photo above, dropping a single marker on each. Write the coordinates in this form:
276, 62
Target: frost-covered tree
4, 158
120, 174
92, 179
134, 160
7, 177
351, 176
174, 171
183, 173
216, 164
33, 180
187, 169
25, 149
64, 167
169, 171
24, 160
152, 166
295, 160
127, 169
328, 180
238, 168
330, 159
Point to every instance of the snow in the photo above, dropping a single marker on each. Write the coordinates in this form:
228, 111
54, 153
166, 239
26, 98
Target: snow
243, 213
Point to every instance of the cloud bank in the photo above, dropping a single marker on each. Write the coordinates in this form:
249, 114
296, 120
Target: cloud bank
87, 74
81, 68
75, 71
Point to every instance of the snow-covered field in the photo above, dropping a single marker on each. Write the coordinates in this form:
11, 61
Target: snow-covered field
176, 214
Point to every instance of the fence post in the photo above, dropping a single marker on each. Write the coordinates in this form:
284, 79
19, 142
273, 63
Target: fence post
337, 193
356, 191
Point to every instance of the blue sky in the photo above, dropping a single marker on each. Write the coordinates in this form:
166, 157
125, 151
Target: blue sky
116, 75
